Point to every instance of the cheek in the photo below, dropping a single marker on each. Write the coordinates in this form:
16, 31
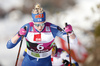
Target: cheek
37, 27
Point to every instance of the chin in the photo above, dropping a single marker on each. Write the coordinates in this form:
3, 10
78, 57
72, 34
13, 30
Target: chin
40, 30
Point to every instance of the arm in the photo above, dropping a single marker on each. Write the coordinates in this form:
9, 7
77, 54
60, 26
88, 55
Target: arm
21, 32
69, 30
57, 31
72, 37
16, 39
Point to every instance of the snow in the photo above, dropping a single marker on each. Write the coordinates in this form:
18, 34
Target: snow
8, 4
77, 18
74, 16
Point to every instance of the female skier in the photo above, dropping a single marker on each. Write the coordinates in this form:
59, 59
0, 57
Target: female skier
60, 57
39, 36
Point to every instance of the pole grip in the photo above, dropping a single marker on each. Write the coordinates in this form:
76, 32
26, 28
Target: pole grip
66, 24
68, 44
25, 27
20, 48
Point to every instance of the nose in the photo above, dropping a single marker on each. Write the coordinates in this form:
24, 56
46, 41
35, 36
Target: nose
40, 27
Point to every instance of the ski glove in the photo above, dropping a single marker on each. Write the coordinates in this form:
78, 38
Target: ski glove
68, 29
66, 63
21, 32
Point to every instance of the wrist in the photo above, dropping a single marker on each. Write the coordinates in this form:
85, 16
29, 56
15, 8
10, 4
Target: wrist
71, 33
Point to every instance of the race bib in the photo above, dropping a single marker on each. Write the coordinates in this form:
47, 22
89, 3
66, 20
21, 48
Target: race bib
39, 55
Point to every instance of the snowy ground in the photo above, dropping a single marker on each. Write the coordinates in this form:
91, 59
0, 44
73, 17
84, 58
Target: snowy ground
75, 17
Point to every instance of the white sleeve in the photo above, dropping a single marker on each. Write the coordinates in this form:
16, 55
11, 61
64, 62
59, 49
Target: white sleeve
72, 41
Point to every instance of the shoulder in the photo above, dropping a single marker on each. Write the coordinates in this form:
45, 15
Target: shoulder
53, 26
31, 23
27, 25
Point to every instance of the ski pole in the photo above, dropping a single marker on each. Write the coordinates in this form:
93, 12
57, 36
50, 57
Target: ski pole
20, 48
68, 44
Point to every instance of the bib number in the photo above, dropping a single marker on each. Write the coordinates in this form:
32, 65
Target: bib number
40, 47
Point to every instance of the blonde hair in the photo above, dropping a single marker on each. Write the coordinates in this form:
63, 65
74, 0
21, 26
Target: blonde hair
37, 9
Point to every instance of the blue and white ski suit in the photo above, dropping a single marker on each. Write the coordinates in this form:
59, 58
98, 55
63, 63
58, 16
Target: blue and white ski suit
39, 44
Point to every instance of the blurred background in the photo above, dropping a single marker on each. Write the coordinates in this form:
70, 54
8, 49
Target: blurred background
83, 15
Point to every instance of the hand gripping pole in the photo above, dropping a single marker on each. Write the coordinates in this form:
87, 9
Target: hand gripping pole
20, 48
68, 44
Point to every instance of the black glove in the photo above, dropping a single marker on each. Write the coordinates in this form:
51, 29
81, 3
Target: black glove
66, 63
